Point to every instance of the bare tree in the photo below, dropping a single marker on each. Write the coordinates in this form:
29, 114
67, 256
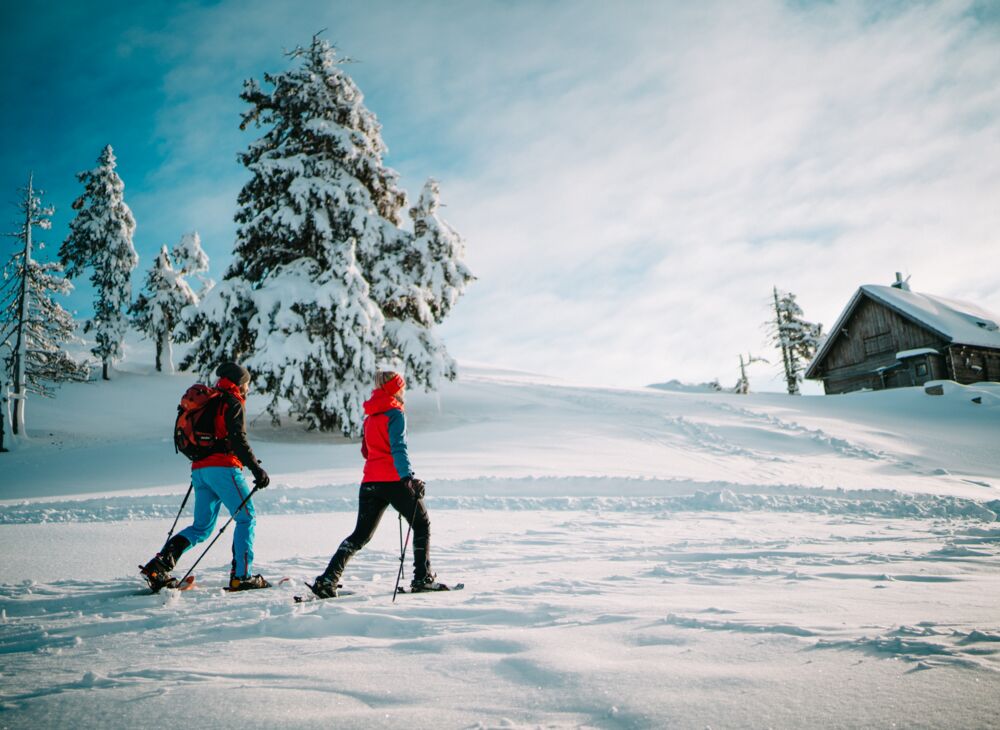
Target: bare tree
33, 327
743, 384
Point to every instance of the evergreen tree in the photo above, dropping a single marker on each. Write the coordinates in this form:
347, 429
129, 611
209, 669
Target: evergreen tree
101, 238
190, 260
797, 339
33, 327
419, 278
157, 310
442, 251
294, 305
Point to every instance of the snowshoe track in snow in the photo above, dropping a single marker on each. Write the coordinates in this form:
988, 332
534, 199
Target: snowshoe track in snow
670, 587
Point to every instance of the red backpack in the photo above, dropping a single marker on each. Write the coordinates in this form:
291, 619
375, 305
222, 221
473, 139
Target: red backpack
194, 429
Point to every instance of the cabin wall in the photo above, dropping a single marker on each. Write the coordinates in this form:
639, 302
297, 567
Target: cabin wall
917, 370
874, 334
973, 364
869, 340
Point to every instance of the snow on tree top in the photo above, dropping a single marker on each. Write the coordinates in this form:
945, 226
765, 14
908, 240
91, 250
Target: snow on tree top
189, 255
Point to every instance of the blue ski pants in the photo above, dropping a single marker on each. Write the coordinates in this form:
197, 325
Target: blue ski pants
215, 486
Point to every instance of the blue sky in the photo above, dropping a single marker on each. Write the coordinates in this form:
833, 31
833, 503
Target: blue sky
631, 178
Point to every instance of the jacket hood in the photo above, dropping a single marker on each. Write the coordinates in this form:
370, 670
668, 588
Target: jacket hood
227, 385
380, 402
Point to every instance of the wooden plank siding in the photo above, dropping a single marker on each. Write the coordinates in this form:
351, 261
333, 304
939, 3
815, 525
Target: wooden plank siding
848, 365
972, 364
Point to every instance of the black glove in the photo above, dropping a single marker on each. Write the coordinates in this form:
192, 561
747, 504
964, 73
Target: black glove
260, 478
416, 486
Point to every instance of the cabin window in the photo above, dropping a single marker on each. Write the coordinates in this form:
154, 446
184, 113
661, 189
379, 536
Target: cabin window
879, 343
921, 369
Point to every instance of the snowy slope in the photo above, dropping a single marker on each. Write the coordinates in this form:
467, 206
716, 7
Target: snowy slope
116, 436
634, 558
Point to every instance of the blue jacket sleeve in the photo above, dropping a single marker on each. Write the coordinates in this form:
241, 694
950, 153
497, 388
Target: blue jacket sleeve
397, 443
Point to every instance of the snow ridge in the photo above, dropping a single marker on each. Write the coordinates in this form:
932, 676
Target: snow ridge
590, 494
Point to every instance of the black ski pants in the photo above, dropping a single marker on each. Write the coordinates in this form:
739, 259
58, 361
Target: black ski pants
373, 498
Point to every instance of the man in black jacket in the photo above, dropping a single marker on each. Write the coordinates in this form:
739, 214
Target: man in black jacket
218, 479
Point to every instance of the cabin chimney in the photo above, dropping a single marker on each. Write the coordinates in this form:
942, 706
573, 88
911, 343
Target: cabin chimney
901, 283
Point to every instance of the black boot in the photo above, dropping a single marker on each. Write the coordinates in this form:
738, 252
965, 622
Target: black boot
426, 584
324, 586
157, 571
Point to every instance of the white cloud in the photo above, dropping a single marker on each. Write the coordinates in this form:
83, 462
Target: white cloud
633, 178
815, 149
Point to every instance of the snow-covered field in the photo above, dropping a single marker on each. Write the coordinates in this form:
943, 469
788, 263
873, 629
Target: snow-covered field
632, 558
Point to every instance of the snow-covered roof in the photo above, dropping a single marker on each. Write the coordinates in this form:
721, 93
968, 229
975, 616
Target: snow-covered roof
916, 352
959, 323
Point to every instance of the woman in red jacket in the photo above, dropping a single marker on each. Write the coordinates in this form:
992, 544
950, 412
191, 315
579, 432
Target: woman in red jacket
388, 480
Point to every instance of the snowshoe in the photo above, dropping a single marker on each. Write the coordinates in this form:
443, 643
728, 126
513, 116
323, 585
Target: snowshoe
427, 584
247, 584
309, 597
433, 588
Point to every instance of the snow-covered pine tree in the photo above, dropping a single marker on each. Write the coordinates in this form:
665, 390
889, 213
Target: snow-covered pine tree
294, 305
156, 311
190, 259
797, 338
442, 250
33, 327
416, 280
101, 238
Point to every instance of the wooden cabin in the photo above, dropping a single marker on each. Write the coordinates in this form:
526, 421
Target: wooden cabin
891, 337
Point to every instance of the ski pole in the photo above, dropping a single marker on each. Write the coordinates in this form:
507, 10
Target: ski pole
402, 554
400, 515
231, 518
171, 533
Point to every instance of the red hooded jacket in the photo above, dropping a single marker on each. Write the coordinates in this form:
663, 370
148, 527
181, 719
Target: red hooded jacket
384, 444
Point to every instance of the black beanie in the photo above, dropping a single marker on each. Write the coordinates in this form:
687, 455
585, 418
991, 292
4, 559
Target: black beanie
236, 373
